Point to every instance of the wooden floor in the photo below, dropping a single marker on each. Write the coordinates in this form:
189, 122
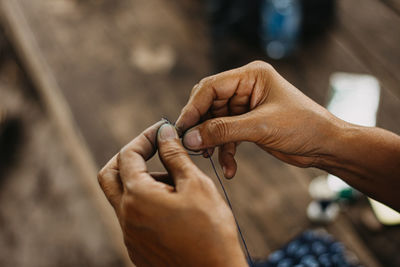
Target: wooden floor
46, 215
106, 70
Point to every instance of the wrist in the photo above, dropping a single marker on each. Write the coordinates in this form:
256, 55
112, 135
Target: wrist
345, 152
338, 135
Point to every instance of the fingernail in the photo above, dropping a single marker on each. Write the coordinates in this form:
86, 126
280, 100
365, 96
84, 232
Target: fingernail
192, 139
224, 170
167, 132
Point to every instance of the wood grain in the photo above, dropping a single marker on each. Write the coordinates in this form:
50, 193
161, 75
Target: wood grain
60, 113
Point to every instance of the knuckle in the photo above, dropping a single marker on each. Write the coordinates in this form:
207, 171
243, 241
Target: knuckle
100, 176
262, 66
257, 63
207, 81
122, 153
217, 127
204, 81
268, 68
125, 153
172, 152
178, 160
195, 89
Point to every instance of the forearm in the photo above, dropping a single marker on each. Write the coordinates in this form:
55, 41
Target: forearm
367, 158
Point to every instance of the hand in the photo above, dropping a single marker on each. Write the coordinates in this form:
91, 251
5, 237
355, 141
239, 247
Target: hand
254, 103
175, 218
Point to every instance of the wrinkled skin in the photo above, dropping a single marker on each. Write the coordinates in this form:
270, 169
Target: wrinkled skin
175, 218
254, 103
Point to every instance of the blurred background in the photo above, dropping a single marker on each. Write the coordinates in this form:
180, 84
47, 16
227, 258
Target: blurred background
80, 78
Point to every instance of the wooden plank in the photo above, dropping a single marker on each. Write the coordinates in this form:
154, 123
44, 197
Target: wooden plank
47, 217
337, 55
60, 113
372, 30
110, 67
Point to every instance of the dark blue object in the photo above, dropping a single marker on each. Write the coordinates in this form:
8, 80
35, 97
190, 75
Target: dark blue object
280, 26
276, 257
318, 247
310, 249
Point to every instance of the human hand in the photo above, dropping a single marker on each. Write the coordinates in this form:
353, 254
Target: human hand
254, 103
176, 218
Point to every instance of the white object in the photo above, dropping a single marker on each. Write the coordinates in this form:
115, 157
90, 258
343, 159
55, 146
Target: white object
316, 213
355, 99
384, 214
319, 189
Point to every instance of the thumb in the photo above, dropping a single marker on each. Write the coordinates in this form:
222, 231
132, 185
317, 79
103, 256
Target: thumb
218, 131
173, 155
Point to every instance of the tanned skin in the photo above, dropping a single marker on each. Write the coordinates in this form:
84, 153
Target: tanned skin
178, 218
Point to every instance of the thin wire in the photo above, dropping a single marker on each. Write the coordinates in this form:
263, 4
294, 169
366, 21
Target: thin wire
230, 206
227, 200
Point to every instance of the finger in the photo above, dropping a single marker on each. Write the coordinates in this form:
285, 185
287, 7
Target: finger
216, 132
250, 82
172, 154
220, 108
110, 182
132, 157
218, 87
226, 159
239, 104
